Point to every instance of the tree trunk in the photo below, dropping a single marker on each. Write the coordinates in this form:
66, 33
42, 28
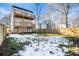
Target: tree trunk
66, 22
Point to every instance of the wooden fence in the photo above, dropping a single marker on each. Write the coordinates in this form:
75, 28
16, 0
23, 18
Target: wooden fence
2, 33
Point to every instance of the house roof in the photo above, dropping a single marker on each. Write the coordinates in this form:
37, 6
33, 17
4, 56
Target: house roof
21, 8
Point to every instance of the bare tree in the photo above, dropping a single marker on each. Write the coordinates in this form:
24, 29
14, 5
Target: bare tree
38, 10
63, 8
47, 19
75, 22
38, 14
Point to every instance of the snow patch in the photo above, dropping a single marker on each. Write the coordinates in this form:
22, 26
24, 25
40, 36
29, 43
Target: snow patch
48, 46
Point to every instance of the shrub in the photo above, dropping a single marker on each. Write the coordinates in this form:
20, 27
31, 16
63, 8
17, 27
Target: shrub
10, 46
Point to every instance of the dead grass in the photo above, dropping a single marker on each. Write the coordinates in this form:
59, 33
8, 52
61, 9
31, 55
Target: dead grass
72, 32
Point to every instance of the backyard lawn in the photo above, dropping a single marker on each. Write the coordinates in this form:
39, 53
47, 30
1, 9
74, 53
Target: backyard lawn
49, 45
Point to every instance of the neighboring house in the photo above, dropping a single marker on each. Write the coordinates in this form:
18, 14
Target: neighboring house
61, 26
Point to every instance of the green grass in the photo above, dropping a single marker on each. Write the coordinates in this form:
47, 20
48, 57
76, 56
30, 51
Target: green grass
49, 34
55, 35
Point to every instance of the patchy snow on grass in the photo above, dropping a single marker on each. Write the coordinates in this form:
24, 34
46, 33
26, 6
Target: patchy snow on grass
48, 46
